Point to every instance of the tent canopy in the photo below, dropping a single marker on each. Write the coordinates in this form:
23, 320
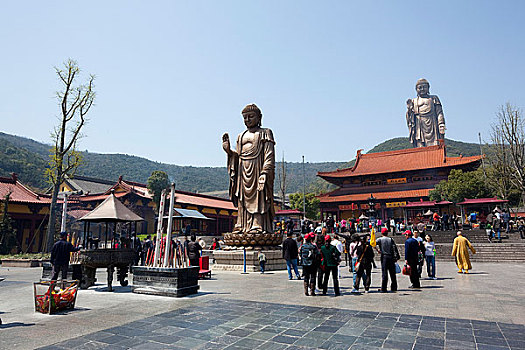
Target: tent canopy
111, 210
429, 213
474, 201
189, 214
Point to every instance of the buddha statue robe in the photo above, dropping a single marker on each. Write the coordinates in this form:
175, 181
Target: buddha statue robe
254, 156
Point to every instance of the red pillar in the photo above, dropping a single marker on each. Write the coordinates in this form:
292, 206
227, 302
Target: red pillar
32, 236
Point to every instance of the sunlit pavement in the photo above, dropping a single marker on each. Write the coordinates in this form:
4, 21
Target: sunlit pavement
485, 309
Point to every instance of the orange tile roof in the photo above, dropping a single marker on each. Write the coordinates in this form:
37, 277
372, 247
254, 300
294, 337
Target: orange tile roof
95, 197
400, 160
205, 201
19, 193
379, 195
180, 196
288, 212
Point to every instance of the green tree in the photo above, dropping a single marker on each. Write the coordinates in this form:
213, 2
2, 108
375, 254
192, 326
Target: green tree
311, 204
74, 101
7, 232
508, 161
461, 185
157, 182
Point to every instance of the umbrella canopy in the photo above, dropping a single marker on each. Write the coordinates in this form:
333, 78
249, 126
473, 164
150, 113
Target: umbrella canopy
363, 217
428, 213
111, 210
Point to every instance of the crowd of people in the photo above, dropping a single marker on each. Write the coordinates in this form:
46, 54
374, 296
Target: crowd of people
320, 254
495, 223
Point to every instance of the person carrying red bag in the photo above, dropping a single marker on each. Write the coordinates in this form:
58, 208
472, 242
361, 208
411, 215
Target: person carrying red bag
411, 258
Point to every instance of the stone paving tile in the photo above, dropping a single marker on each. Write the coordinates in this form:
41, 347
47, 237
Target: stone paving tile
491, 347
517, 343
245, 325
262, 335
392, 344
269, 345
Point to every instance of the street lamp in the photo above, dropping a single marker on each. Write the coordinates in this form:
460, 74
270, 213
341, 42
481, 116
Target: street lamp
304, 194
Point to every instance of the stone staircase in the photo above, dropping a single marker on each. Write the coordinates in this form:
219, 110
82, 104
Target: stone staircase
474, 236
512, 248
485, 252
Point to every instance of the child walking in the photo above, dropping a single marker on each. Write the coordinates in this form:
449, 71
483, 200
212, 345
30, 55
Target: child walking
262, 260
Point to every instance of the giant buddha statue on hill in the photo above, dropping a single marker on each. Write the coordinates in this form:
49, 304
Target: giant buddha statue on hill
425, 119
251, 167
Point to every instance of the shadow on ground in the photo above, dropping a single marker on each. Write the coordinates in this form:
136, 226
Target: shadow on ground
16, 324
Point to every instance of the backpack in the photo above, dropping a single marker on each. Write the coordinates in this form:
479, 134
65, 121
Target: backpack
395, 251
336, 255
308, 254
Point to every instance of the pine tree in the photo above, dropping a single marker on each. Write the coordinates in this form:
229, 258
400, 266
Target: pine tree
7, 232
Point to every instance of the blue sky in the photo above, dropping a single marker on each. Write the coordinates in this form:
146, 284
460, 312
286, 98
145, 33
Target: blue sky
331, 77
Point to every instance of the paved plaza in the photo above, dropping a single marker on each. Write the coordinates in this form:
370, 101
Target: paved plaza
483, 310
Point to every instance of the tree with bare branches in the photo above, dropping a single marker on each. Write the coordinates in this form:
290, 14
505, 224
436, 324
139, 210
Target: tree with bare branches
508, 160
75, 101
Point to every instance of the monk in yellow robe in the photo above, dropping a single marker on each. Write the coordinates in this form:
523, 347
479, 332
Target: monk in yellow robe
460, 251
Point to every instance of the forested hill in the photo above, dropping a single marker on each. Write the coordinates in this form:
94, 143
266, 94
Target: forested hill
454, 148
28, 158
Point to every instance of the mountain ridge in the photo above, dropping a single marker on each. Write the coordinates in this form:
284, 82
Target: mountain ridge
29, 158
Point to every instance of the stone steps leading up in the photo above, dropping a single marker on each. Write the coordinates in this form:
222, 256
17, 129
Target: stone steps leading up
485, 252
474, 236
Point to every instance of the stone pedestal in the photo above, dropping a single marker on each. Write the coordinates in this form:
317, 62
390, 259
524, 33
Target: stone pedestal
172, 282
232, 260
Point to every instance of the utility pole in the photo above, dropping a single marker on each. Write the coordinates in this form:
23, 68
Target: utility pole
63, 227
282, 184
64, 214
481, 154
304, 193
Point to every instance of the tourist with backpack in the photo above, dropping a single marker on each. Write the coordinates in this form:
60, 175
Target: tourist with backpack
389, 255
290, 254
319, 241
420, 254
354, 255
309, 254
331, 260
363, 266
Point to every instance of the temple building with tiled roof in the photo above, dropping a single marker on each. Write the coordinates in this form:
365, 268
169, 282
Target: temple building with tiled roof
86, 185
29, 212
394, 178
220, 212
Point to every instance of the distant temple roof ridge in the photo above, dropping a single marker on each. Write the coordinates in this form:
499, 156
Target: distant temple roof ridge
137, 186
408, 159
18, 192
90, 178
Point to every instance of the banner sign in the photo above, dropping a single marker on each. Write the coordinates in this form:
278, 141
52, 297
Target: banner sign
352, 206
401, 180
366, 206
395, 204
